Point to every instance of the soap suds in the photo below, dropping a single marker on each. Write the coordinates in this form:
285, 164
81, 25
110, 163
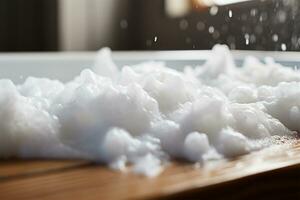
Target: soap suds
140, 117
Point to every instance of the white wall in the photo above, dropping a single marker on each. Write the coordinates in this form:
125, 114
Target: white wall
88, 24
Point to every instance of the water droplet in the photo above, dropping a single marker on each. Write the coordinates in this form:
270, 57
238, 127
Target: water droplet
211, 29
247, 37
253, 12
294, 39
252, 38
183, 24
263, 16
281, 15
230, 13
283, 47
213, 10
200, 26
123, 24
247, 41
275, 38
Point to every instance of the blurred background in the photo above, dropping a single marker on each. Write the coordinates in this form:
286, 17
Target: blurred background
80, 25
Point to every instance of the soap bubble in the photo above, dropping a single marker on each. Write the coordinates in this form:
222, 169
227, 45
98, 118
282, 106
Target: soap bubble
213, 10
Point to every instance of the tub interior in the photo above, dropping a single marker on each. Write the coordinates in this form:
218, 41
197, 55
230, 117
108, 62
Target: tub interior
65, 66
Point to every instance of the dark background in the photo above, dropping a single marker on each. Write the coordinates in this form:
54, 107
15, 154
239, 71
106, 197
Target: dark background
33, 25
29, 25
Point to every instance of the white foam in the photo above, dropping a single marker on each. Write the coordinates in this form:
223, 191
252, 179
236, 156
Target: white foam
195, 146
147, 114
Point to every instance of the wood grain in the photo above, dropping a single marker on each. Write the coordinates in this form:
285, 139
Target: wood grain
270, 173
10, 169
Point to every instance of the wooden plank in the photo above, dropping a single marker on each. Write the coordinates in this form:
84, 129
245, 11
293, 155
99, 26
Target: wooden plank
11, 169
262, 171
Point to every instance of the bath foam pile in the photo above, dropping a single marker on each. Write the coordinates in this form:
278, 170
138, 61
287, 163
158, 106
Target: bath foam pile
144, 115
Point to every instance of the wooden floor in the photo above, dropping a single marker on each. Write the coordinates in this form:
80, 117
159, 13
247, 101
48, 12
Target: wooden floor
268, 174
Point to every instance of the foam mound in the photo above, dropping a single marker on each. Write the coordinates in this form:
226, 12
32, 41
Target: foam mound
145, 115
